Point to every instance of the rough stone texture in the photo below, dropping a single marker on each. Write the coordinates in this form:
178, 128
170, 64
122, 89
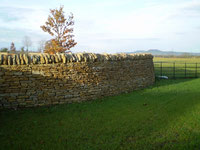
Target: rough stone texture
28, 81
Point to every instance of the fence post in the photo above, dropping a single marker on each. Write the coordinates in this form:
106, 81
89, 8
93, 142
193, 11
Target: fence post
174, 70
196, 71
185, 70
160, 68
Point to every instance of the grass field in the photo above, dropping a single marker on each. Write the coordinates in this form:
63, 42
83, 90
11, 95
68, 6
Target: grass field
164, 116
177, 67
174, 59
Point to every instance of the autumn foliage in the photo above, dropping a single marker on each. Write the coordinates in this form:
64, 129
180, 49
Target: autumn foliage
60, 28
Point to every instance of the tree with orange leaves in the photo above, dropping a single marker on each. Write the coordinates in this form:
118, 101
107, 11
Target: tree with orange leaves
59, 27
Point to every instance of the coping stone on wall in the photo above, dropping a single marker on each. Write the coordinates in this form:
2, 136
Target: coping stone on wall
25, 59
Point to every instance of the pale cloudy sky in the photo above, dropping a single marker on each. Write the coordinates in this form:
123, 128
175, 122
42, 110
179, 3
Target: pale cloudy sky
108, 25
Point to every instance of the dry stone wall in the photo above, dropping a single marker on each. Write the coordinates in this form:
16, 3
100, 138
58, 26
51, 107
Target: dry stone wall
37, 80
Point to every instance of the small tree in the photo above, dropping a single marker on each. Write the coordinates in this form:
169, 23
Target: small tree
4, 49
22, 49
27, 42
60, 28
41, 46
12, 47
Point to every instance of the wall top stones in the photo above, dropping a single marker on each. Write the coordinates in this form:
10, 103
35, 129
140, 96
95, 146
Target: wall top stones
25, 59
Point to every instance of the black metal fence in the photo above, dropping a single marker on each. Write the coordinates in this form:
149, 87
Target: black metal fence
177, 69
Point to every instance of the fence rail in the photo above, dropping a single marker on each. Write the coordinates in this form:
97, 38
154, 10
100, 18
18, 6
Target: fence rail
177, 69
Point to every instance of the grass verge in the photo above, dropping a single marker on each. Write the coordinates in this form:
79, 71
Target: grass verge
164, 116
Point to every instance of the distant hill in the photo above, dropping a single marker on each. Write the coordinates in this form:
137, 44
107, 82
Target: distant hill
159, 52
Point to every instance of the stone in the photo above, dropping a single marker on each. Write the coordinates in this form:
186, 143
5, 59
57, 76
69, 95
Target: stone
79, 57
10, 60
1, 59
74, 58
64, 58
26, 59
49, 58
59, 57
65, 78
85, 57
42, 59
5, 60
52, 58
94, 57
68, 96
21, 59
17, 73
69, 58
56, 59
36, 72
46, 59
91, 58
35, 59
18, 60
14, 60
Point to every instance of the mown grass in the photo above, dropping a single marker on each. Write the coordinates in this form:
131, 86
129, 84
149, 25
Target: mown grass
184, 67
164, 116
176, 59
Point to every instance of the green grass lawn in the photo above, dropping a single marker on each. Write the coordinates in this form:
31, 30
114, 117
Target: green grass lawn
175, 59
164, 116
192, 67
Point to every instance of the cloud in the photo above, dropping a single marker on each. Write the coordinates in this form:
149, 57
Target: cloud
157, 25
186, 10
180, 33
107, 24
8, 15
21, 18
192, 6
17, 22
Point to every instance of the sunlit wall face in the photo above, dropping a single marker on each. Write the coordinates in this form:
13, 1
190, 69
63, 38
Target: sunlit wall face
108, 25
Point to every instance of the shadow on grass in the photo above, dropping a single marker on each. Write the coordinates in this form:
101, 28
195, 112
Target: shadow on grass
153, 118
191, 71
167, 82
140, 120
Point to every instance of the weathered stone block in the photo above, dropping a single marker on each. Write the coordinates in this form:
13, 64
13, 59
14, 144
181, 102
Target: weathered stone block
17, 73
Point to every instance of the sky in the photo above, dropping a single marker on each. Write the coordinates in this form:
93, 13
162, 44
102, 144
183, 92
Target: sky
107, 26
